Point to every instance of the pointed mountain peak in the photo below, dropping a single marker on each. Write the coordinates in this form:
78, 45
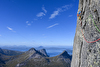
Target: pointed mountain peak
32, 49
64, 54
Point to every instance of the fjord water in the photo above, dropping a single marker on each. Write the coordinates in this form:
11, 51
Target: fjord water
51, 51
54, 51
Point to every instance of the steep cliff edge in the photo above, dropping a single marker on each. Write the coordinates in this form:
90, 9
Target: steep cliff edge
86, 48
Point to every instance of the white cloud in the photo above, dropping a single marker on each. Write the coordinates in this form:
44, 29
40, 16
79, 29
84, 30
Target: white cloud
62, 9
0, 35
70, 15
10, 28
54, 14
29, 24
27, 21
53, 25
66, 7
43, 8
40, 14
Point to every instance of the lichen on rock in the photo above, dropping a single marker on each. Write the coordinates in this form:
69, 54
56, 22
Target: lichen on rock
86, 48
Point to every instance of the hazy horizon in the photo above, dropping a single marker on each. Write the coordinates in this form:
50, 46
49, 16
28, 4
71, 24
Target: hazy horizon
51, 50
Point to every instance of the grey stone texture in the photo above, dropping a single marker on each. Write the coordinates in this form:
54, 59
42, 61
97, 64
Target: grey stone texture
87, 54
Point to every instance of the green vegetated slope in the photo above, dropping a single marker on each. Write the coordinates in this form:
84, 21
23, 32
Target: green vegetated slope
11, 52
34, 58
6, 55
47, 62
19, 59
3, 59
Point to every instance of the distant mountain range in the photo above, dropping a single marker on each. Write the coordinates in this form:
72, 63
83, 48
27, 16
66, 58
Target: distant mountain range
51, 51
33, 58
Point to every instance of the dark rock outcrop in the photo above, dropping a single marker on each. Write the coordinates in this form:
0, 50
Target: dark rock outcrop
43, 51
2, 62
86, 48
65, 55
35, 52
1, 51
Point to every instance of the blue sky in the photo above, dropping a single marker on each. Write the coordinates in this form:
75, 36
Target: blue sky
38, 22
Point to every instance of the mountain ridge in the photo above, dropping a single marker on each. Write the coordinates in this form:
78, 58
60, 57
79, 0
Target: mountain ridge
40, 59
6, 55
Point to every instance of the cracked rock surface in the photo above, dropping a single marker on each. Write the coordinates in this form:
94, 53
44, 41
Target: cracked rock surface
87, 54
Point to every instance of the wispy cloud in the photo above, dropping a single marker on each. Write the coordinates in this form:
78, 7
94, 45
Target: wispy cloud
55, 13
43, 8
28, 24
66, 7
70, 15
40, 14
0, 35
62, 9
11, 29
53, 25
27, 21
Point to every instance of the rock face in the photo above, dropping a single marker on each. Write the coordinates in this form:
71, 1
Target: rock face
86, 48
43, 51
